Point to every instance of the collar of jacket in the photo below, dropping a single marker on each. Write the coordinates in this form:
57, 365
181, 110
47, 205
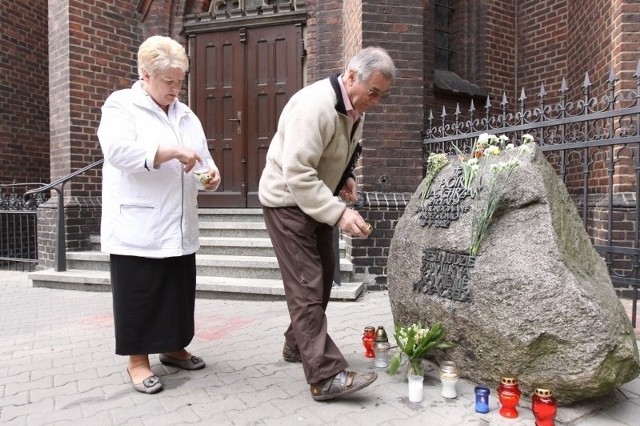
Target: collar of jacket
336, 87
143, 100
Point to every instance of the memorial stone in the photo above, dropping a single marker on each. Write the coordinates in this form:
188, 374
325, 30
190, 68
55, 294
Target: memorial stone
536, 301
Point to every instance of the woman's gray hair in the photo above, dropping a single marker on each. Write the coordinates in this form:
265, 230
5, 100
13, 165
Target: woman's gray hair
158, 53
372, 59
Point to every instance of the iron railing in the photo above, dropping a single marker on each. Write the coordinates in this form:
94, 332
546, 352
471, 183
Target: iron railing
593, 143
60, 259
18, 228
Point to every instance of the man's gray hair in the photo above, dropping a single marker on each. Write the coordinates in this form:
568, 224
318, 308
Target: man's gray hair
372, 59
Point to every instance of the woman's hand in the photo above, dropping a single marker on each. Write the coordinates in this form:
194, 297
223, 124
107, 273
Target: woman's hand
213, 184
186, 156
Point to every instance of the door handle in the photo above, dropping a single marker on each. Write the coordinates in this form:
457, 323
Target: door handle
238, 120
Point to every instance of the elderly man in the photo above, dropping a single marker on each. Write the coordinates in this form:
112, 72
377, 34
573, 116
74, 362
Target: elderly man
307, 166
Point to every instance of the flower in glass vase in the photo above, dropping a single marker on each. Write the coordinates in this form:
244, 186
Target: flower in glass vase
414, 341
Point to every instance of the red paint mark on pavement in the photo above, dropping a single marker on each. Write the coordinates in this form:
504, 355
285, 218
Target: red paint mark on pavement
209, 327
213, 327
98, 319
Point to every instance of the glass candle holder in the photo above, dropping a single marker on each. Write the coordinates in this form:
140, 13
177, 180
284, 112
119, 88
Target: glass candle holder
509, 396
449, 376
381, 348
544, 407
368, 338
201, 175
482, 399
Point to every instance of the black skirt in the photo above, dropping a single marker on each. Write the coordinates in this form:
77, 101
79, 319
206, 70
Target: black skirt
153, 303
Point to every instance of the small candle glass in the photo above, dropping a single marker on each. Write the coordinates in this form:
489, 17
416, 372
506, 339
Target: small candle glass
544, 407
449, 376
482, 399
368, 338
201, 175
509, 396
381, 348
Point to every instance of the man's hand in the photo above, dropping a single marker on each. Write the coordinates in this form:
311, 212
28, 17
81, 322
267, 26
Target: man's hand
353, 224
348, 191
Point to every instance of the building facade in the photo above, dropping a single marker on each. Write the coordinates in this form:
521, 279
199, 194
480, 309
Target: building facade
247, 58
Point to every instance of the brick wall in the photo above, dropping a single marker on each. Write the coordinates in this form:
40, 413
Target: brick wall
92, 47
352, 40
391, 162
310, 36
499, 47
24, 90
392, 148
502, 45
589, 43
329, 38
542, 48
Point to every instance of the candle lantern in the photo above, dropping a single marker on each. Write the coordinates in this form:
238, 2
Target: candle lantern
449, 375
482, 399
544, 407
381, 348
509, 396
368, 338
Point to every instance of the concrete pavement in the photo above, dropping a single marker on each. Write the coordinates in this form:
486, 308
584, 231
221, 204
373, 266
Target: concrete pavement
57, 366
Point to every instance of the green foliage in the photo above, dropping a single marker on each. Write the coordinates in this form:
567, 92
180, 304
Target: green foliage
414, 341
435, 163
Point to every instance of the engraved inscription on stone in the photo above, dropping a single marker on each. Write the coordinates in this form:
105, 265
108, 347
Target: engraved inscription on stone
445, 274
441, 205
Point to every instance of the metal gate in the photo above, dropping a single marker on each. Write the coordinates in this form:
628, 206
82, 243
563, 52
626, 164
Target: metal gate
18, 228
593, 145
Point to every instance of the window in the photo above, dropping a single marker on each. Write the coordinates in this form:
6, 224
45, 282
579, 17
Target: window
450, 51
443, 53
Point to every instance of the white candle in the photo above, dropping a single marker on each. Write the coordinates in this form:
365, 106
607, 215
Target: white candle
415, 388
449, 387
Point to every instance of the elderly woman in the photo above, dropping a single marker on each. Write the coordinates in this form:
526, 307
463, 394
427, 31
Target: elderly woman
153, 144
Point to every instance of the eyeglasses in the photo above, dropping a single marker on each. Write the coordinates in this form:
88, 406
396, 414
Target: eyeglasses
374, 94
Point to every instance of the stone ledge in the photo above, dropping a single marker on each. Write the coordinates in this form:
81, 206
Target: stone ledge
206, 287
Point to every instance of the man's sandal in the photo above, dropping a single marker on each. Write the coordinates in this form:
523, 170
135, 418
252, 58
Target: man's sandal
342, 384
290, 355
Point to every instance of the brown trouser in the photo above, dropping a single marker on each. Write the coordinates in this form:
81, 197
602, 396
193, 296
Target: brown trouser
304, 248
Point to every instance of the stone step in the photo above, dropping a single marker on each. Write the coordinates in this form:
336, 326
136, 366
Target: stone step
235, 260
218, 229
230, 246
230, 215
206, 287
258, 267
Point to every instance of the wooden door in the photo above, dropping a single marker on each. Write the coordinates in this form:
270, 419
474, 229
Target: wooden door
242, 80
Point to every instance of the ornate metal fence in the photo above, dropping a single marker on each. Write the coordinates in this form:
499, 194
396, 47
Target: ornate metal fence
592, 143
18, 228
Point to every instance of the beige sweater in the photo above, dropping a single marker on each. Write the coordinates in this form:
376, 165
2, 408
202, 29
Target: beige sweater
309, 153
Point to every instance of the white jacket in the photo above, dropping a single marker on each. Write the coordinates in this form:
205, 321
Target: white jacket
148, 212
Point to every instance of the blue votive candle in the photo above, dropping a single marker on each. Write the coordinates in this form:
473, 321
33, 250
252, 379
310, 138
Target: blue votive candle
482, 399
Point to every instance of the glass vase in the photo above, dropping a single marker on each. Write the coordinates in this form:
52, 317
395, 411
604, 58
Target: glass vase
415, 379
415, 368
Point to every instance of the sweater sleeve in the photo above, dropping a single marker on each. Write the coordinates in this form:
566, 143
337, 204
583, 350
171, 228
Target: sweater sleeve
308, 128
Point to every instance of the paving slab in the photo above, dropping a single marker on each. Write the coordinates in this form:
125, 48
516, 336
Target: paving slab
57, 366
